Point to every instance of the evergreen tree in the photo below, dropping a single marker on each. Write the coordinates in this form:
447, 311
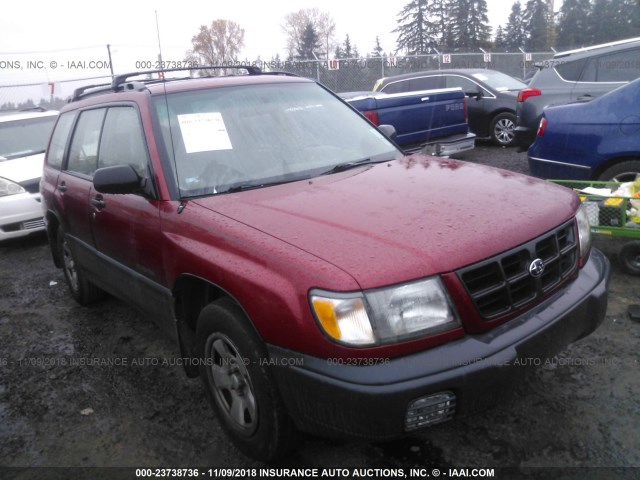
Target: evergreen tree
536, 23
440, 15
414, 28
377, 49
573, 26
514, 34
309, 43
346, 47
470, 24
499, 41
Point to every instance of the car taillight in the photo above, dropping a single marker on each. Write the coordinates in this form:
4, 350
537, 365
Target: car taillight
542, 127
528, 92
372, 115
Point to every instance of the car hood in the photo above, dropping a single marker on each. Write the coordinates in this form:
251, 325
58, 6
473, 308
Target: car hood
23, 168
391, 222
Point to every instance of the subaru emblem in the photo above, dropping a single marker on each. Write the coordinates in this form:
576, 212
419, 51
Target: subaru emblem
536, 268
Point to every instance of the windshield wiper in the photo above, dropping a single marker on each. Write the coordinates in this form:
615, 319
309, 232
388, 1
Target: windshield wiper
251, 186
342, 167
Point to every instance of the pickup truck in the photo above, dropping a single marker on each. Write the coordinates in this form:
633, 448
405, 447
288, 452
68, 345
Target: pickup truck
432, 121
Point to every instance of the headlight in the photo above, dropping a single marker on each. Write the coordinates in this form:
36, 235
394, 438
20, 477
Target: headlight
386, 315
584, 233
7, 187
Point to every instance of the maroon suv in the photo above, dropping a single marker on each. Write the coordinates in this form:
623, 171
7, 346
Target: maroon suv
315, 277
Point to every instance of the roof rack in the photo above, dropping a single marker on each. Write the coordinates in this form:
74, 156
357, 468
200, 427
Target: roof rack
118, 80
595, 47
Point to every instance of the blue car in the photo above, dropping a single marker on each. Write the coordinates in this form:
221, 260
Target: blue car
598, 140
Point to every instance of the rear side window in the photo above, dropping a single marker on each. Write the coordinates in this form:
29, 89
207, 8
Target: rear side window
465, 84
59, 140
615, 67
571, 71
123, 140
83, 154
415, 84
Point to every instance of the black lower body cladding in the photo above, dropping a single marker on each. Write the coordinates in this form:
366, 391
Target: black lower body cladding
331, 398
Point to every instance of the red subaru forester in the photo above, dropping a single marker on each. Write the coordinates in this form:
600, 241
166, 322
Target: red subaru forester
315, 277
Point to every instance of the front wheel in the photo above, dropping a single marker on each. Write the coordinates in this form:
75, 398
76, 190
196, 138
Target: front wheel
238, 385
503, 129
629, 257
626, 171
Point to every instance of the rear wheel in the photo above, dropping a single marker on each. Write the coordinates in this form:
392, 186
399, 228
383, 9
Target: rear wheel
238, 385
82, 290
626, 171
629, 257
503, 129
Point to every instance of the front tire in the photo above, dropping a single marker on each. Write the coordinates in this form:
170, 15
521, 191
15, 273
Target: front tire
629, 257
626, 171
503, 129
82, 290
238, 385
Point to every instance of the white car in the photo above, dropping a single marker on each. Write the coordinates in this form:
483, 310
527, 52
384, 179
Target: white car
24, 136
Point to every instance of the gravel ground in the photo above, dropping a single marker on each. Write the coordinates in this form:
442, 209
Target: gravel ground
582, 411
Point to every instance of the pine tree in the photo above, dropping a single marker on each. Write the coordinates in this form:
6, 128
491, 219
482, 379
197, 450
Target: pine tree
440, 19
470, 24
536, 23
414, 28
499, 41
309, 43
377, 49
573, 26
514, 34
346, 47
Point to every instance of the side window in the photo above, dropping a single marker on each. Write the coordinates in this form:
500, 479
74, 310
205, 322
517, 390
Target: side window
426, 83
465, 84
123, 141
83, 154
401, 86
59, 140
619, 67
571, 71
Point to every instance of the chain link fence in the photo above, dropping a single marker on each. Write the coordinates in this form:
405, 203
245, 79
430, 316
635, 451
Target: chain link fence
361, 74
47, 77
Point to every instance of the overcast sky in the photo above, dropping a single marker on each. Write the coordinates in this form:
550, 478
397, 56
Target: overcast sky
63, 31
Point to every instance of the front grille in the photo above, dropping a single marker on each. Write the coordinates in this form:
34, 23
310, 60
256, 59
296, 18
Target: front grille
504, 284
37, 223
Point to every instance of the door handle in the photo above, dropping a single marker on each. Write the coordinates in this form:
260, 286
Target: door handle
424, 99
62, 187
98, 202
585, 97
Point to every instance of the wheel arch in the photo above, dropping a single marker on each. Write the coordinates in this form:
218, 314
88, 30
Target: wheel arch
191, 294
610, 162
53, 224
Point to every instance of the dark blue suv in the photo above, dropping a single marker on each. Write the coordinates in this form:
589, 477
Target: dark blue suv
598, 140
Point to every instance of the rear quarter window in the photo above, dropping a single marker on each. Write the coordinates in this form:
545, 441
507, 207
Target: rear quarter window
571, 71
59, 140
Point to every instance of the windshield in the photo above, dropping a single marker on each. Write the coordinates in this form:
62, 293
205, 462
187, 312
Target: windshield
20, 138
499, 81
254, 135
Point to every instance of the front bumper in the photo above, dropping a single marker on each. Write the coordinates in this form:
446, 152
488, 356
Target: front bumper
20, 215
444, 147
333, 398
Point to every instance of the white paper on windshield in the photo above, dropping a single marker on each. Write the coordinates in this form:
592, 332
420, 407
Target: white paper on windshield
204, 132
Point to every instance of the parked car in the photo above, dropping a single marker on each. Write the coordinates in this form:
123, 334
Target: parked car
598, 140
574, 76
492, 103
315, 277
432, 121
23, 138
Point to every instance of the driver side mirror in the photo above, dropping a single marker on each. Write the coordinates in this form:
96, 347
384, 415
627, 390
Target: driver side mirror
475, 94
119, 179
